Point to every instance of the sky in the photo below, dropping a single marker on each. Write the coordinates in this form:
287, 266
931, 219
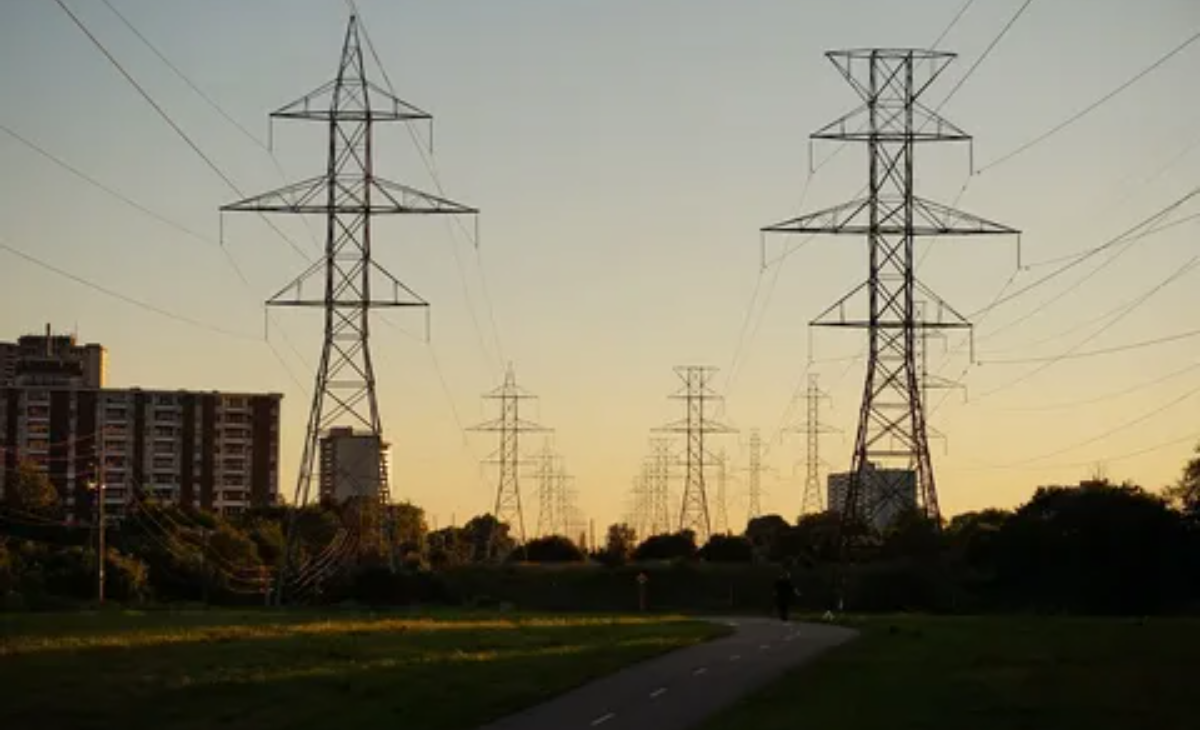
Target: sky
624, 156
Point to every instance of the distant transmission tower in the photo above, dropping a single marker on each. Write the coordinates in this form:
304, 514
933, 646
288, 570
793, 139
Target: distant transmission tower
755, 469
637, 515
507, 456
348, 281
549, 496
722, 520
891, 120
811, 500
694, 514
658, 487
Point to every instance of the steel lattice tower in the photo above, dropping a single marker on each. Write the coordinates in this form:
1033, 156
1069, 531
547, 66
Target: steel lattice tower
549, 499
658, 487
348, 280
811, 500
507, 456
754, 510
722, 519
891, 121
696, 393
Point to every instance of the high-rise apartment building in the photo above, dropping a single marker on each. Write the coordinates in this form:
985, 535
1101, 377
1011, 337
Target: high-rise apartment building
215, 451
52, 360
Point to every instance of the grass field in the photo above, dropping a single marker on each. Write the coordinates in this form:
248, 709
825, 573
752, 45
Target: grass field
990, 674
272, 670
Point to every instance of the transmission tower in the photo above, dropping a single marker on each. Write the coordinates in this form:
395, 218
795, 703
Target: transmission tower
507, 456
891, 121
694, 514
931, 381
348, 282
658, 487
636, 513
722, 519
549, 497
754, 471
811, 500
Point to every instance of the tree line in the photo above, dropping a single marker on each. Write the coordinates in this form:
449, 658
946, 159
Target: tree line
1096, 547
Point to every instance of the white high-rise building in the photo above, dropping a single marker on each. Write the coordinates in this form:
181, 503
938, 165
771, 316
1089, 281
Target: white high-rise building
352, 464
883, 494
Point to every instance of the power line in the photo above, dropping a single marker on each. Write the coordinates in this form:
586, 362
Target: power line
1103, 351
1108, 396
142, 209
953, 22
212, 103
183, 77
106, 188
1117, 312
1126, 311
168, 119
995, 41
127, 299
1103, 435
1093, 106
1130, 235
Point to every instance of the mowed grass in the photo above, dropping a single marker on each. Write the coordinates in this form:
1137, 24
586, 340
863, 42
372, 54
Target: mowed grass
266, 670
990, 674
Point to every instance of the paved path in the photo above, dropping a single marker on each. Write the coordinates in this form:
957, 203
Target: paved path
680, 689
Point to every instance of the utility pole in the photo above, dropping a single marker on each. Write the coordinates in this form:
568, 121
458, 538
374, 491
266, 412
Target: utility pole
100, 519
696, 425
349, 281
507, 456
891, 121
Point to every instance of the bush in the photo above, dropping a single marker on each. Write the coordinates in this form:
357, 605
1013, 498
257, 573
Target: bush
665, 547
727, 549
379, 586
551, 549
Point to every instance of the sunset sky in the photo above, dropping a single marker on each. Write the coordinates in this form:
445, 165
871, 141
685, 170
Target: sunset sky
624, 156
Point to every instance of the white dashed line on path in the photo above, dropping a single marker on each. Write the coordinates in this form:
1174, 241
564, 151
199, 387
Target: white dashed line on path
603, 719
735, 657
658, 693
764, 646
699, 670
